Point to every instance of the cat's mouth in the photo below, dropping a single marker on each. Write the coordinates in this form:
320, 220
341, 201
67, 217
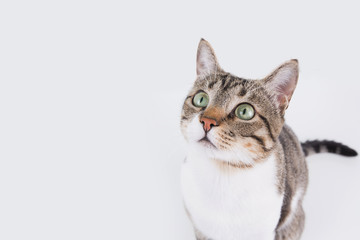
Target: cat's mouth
205, 141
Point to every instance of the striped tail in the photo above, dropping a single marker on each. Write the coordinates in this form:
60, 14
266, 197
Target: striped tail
313, 147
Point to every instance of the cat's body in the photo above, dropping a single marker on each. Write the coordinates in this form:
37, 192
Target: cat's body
232, 205
241, 203
245, 174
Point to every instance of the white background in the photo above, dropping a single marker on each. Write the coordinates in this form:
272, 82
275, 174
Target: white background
90, 101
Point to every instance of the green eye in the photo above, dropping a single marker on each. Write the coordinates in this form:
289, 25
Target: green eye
245, 111
201, 99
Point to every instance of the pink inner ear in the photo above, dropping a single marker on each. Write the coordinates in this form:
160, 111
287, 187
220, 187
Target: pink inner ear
285, 92
282, 83
202, 67
283, 100
286, 89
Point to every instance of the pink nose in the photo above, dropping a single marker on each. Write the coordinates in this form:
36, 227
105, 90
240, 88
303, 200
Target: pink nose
208, 123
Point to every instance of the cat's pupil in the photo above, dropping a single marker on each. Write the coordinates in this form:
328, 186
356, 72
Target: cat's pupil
244, 111
201, 99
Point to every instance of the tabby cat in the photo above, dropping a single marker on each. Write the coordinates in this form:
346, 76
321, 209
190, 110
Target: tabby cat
245, 173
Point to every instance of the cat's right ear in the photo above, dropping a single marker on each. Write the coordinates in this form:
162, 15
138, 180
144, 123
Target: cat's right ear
206, 62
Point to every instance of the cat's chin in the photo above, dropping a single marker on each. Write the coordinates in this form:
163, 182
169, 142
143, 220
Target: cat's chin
207, 149
207, 143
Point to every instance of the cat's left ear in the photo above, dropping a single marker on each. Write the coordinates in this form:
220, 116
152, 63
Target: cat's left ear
281, 83
206, 62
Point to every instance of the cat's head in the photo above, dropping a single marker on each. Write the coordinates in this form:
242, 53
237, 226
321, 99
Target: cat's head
232, 119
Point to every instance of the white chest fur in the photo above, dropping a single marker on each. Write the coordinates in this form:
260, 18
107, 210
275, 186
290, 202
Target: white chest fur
242, 204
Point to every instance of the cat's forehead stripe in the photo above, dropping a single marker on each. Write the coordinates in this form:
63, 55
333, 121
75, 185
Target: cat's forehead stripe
227, 82
242, 92
217, 78
224, 80
211, 84
234, 82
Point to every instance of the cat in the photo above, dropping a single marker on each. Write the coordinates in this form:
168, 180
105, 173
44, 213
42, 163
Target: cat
245, 173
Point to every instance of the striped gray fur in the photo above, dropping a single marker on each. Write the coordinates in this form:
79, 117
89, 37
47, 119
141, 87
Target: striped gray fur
324, 146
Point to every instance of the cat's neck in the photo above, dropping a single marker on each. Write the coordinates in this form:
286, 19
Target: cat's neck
204, 159
205, 164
